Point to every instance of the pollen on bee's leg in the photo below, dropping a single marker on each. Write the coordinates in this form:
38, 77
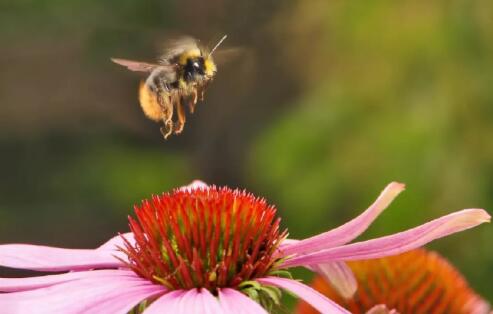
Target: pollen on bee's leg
181, 118
167, 115
167, 129
164, 132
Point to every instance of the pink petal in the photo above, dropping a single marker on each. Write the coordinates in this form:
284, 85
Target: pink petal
381, 309
30, 283
340, 276
45, 258
350, 230
81, 295
196, 184
288, 242
397, 243
311, 296
114, 243
477, 306
193, 301
233, 301
123, 301
209, 304
168, 303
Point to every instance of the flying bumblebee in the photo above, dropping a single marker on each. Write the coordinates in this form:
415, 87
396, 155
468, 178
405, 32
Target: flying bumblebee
179, 78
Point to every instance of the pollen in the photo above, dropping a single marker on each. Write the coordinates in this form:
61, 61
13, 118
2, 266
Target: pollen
209, 238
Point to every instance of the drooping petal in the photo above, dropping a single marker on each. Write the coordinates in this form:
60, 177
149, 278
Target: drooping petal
350, 230
340, 276
311, 296
81, 295
233, 301
46, 258
30, 283
193, 301
397, 243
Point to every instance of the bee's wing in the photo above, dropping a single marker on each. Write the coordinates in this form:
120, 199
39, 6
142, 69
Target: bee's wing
222, 56
135, 65
176, 46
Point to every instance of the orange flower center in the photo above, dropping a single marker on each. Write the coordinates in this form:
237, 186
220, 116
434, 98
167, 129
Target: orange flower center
208, 238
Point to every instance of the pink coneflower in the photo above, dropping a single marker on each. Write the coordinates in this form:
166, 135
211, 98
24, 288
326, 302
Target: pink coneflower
419, 281
204, 249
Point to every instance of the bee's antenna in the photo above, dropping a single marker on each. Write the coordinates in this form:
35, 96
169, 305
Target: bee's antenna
217, 45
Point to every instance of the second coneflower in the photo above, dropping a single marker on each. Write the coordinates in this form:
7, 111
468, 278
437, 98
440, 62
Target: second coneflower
414, 282
204, 249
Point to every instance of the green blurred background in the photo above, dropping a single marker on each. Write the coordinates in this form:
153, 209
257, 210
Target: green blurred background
327, 103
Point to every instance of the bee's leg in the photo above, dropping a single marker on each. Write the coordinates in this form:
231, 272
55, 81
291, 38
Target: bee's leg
167, 109
167, 129
165, 101
193, 101
181, 116
202, 90
164, 132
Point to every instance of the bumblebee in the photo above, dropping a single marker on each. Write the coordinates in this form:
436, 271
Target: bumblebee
178, 79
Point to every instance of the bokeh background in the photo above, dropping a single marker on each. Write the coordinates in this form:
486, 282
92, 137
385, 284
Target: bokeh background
327, 103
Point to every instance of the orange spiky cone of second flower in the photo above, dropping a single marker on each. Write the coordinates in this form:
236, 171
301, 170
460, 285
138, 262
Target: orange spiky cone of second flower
418, 281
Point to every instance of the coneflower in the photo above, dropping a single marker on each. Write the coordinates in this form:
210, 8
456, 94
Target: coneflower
414, 282
202, 249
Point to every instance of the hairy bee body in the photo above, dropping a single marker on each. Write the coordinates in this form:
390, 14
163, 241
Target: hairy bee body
179, 79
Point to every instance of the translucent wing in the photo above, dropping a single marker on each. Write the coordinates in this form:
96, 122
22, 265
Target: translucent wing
174, 47
135, 65
222, 56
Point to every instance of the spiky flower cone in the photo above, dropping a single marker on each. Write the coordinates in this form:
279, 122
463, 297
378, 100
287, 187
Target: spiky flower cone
415, 282
204, 238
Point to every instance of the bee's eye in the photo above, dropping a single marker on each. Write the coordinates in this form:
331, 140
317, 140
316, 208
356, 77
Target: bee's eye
194, 67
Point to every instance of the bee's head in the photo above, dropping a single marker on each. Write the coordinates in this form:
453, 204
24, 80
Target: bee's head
198, 65
196, 68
